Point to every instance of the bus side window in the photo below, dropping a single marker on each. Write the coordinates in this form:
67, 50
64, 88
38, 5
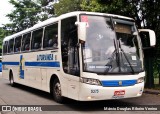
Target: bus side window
26, 42
17, 45
5, 45
10, 46
37, 39
51, 36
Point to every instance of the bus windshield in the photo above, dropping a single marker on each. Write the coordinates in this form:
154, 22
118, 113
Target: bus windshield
112, 46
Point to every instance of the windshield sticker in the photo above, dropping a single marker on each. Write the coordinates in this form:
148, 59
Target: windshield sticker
85, 19
106, 67
131, 64
134, 58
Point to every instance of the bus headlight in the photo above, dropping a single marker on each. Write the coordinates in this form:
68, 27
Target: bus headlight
90, 81
140, 80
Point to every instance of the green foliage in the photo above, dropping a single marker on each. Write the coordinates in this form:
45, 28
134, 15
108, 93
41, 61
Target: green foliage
65, 6
23, 15
3, 34
27, 13
93, 6
119, 7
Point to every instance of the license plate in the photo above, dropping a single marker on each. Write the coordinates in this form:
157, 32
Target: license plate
119, 93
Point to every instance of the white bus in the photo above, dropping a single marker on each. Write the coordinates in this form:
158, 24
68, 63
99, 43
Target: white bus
84, 56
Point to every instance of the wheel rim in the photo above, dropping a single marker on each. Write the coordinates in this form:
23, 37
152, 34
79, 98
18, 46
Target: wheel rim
57, 90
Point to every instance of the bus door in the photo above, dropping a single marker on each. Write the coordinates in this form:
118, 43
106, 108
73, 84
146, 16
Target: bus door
70, 55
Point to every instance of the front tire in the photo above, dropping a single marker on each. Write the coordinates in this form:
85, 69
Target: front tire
12, 83
57, 93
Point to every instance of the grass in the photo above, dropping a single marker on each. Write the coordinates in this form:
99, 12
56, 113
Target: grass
156, 84
157, 87
156, 81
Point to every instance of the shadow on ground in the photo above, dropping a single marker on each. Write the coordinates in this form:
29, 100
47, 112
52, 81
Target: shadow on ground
72, 105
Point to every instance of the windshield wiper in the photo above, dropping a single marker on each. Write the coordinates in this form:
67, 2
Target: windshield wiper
116, 52
117, 46
126, 57
117, 55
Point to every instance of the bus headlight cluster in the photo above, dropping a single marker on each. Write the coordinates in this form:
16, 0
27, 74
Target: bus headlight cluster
140, 80
90, 81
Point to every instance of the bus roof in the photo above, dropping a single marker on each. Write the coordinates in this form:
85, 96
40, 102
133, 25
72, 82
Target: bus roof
54, 19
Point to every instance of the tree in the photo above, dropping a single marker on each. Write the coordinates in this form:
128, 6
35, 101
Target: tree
65, 6
27, 13
47, 9
23, 15
2, 35
119, 7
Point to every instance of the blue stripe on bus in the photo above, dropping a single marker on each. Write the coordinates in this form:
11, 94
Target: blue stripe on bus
41, 64
115, 83
10, 63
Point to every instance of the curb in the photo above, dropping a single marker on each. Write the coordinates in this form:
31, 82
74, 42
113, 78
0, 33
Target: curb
151, 92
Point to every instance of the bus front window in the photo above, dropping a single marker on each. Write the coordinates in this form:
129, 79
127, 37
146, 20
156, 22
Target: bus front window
111, 46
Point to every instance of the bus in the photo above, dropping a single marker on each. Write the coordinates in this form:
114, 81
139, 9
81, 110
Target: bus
85, 56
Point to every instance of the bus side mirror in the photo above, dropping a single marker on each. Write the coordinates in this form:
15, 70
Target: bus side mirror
81, 30
148, 38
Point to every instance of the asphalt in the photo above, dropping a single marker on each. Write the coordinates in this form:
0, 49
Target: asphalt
152, 91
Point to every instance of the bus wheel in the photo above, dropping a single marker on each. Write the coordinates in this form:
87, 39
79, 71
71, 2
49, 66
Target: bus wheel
12, 83
57, 93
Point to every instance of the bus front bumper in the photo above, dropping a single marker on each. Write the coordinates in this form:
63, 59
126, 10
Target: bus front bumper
93, 92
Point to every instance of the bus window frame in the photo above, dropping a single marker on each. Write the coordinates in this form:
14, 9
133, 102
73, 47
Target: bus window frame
20, 44
50, 48
8, 47
32, 50
24, 51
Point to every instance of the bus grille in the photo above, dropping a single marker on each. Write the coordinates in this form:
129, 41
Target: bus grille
118, 83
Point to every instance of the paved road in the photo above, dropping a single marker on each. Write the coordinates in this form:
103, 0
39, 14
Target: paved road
22, 95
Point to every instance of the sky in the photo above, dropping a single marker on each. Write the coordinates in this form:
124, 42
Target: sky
5, 8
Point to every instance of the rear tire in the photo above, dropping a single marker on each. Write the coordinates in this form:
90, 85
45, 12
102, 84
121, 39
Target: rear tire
57, 93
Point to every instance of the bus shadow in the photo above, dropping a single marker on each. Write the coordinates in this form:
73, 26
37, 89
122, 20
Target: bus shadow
34, 91
72, 105
97, 105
